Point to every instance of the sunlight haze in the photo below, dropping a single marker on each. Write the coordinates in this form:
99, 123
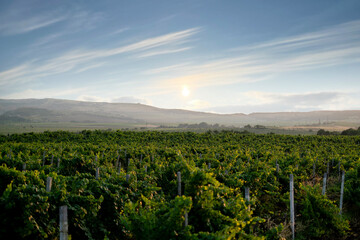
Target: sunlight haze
213, 56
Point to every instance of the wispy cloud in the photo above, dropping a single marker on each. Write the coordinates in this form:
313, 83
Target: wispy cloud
126, 99
87, 98
255, 101
44, 93
45, 40
14, 73
12, 26
121, 30
330, 37
80, 60
91, 66
197, 104
131, 99
294, 99
167, 39
162, 52
336, 45
174, 67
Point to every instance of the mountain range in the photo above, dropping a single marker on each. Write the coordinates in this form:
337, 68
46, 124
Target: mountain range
57, 110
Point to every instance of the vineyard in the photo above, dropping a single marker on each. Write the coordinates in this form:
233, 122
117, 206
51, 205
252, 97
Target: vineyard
168, 185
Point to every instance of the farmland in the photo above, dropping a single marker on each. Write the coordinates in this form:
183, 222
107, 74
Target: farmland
125, 185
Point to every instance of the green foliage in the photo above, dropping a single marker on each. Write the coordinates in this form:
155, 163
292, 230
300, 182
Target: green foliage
320, 217
215, 169
351, 132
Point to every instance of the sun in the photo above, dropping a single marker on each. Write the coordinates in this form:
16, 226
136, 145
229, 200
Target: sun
185, 91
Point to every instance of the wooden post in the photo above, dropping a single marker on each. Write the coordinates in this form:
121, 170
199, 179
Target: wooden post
117, 161
43, 159
179, 182
63, 223
58, 163
96, 160
328, 169
342, 191
119, 167
145, 168
48, 184
24, 167
292, 210
127, 177
247, 194
179, 193
324, 184
97, 173
209, 165
277, 168
314, 169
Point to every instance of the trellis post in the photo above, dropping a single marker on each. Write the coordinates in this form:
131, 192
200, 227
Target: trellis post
342, 191
247, 194
97, 173
44, 158
179, 182
48, 184
292, 210
64, 223
324, 184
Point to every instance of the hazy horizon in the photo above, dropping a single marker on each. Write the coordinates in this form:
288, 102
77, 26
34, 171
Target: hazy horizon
203, 111
209, 56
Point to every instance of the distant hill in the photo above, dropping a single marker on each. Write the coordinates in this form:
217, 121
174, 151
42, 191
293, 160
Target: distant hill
55, 110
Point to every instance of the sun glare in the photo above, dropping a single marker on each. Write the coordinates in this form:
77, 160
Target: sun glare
185, 91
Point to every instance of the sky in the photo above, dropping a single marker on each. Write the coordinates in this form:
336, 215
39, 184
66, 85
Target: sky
231, 56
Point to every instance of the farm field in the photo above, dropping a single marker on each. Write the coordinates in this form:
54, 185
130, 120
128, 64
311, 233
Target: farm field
178, 185
38, 127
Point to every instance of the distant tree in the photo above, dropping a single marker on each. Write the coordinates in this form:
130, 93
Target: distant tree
322, 132
351, 132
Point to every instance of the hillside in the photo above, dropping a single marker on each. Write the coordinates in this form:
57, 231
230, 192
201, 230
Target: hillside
54, 110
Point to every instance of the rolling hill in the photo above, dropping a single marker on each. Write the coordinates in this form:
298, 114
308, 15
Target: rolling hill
56, 110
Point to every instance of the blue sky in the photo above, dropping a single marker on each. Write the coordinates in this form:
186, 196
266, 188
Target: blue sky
218, 56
